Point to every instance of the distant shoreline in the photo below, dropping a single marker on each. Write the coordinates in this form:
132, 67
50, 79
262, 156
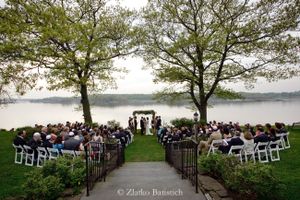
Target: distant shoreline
109, 100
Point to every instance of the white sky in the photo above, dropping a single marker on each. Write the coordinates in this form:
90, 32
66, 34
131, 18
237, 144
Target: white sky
140, 81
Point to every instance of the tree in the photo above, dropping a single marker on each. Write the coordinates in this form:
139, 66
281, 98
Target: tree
14, 75
73, 43
197, 46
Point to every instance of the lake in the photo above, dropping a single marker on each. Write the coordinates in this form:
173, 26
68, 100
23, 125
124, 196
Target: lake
22, 114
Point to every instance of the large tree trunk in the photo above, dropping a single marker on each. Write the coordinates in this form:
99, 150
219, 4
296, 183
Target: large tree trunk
85, 104
203, 112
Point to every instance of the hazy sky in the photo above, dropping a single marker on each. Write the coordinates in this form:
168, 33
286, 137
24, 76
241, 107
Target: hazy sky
140, 81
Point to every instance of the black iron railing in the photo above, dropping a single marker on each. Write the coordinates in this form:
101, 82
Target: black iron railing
100, 160
183, 157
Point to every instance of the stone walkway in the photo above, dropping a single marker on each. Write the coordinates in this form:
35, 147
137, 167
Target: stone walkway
144, 180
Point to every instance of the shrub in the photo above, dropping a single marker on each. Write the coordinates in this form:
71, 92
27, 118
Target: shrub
258, 179
113, 123
180, 122
218, 165
248, 180
39, 187
54, 177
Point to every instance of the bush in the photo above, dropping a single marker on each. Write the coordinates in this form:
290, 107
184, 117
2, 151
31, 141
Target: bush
256, 178
39, 187
248, 180
113, 123
218, 165
180, 122
71, 171
56, 175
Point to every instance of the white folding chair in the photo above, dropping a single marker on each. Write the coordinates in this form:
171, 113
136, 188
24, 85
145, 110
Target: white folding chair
236, 150
273, 147
29, 158
19, 152
53, 153
284, 137
280, 144
249, 152
42, 156
214, 146
262, 152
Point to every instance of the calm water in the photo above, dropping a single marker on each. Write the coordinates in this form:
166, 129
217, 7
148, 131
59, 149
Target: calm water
21, 114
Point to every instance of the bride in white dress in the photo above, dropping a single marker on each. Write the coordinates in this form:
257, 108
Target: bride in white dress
148, 127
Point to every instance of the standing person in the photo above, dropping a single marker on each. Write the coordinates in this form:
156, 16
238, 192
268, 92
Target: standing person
135, 124
147, 122
158, 123
142, 124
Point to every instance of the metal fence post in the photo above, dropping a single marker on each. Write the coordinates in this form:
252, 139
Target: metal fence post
87, 170
196, 157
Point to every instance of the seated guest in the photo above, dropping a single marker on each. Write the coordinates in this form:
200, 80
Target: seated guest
260, 135
215, 135
71, 143
58, 143
47, 142
34, 143
84, 142
97, 137
20, 138
226, 133
44, 133
235, 141
248, 141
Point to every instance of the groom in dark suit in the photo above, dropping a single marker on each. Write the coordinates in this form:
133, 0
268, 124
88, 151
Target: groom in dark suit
142, 124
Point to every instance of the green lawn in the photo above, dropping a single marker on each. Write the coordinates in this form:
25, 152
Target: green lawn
11, 175
288, 168
146, 148
143, 149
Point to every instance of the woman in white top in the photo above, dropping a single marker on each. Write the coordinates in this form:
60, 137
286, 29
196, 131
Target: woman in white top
248, 142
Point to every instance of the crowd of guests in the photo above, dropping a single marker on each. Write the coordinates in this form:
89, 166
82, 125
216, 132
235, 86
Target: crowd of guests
231, 133
71, 136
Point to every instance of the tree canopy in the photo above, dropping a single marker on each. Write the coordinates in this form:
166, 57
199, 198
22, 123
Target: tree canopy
197, 46
71, 43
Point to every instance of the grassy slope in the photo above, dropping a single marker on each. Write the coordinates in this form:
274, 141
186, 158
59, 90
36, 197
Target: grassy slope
288, 169
11, 175
143, 149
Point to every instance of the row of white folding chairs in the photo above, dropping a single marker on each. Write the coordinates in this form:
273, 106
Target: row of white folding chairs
27, 154
262, 150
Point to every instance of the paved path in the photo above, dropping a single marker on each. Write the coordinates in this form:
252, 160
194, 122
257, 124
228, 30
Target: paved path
144, 180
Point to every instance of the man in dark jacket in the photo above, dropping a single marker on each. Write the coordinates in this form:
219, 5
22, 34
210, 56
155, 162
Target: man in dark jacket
71, 143
235, 141
34, 143
20, 138
260, 136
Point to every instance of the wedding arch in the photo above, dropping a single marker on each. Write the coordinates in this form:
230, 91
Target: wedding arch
145, 112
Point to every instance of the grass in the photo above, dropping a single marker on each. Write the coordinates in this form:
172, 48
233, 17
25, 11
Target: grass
11, 175
144, 149
288, 168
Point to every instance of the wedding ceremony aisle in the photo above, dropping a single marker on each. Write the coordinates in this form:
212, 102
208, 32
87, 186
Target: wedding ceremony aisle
145, 175
144, 180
